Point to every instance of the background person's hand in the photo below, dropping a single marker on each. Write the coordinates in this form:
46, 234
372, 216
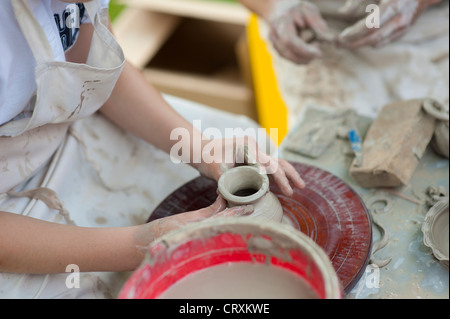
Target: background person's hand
355, 9
288, 19
396, 17
222, 154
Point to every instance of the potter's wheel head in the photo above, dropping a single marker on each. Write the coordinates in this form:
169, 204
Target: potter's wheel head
328, 211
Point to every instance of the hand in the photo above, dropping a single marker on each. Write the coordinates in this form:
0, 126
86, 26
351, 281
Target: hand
354, 10
288, 20
158, 228
396, 17
222, 154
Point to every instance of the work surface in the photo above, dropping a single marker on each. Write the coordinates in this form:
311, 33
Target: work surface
413, 271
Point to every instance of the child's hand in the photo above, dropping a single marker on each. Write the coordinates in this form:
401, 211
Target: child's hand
155, 229
222, 154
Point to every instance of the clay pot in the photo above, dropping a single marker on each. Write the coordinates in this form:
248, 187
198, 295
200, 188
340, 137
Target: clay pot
245, 185
440, 141
441, 114
435, 230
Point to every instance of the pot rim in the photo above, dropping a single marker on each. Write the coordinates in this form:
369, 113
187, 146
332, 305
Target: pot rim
240, 200
440, 208
287, 238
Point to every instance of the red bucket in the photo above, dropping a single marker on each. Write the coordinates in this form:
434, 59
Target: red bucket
227, 242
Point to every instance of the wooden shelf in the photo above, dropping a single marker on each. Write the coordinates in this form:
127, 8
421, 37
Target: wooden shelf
224, 95
141, 33
192, 49
200, 9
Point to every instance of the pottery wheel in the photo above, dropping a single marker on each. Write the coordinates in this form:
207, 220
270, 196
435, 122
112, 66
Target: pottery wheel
328, 211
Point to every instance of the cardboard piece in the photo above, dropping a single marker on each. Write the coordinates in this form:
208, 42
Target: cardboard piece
394, 145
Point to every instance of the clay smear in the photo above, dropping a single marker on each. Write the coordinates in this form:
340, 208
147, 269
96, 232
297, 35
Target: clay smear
241, 281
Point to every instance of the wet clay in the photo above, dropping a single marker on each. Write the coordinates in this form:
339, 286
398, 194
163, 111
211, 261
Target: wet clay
441, 134
436, 231
241, 281
245, 185
49, 197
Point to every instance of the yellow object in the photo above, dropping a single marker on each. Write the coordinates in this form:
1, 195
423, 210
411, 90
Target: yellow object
272, 111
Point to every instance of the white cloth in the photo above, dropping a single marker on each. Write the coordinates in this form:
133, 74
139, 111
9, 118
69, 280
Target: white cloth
414, 66
17, 63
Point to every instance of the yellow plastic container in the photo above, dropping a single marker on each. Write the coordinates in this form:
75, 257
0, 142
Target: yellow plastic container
272, 111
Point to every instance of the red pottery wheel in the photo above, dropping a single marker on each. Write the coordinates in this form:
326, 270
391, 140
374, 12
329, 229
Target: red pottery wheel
327, 210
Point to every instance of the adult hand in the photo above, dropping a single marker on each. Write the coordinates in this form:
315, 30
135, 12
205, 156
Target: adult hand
288, 20
222, 154
157, 228
396, 17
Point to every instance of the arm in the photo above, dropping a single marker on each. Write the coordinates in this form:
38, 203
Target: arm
296, 27
136, 106
29, 245
260, 7
33, 246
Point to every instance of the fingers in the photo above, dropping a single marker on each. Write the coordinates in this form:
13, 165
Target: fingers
394, 36
394, 22
355, 8
292, 174
286, 37
289, 45
246, 151
354, 33
359, 30
282, 182
286, 175
219, 205
350, 7
389, 32
314, 21
281, 171
236, 212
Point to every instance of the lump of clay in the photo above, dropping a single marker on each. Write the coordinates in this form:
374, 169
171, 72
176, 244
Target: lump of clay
440, 141
394, 145
435, 231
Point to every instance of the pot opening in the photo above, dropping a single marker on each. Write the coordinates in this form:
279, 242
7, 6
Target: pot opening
246, 192
242, 182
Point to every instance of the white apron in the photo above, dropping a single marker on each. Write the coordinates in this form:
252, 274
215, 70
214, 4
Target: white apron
103, 177
414, 66
65, 92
